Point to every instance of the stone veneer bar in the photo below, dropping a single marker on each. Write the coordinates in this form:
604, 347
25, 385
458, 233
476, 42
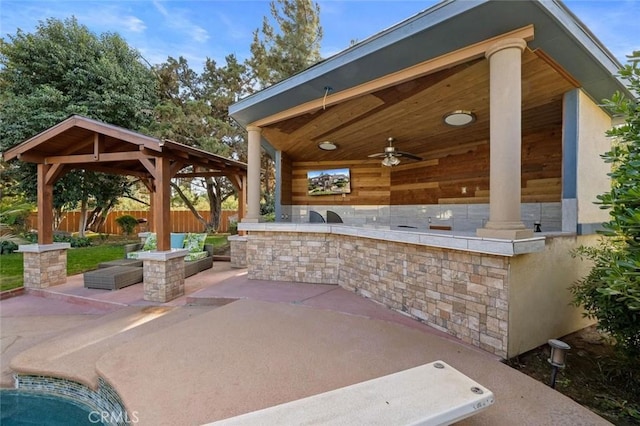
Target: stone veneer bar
45, 265
455, 283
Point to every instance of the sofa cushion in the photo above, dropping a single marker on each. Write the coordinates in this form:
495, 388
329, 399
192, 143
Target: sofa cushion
194, 242
151, 243
177, 240
195, 256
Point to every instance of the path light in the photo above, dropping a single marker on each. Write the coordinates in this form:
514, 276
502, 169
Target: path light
557, 358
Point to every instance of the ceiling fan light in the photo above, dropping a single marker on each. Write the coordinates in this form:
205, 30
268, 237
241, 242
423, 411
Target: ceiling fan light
459, 118
390, 161
327, 146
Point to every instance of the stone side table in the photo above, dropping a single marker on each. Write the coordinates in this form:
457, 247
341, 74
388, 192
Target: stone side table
163, 274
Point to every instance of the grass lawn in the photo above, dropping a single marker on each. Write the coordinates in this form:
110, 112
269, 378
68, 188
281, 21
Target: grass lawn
217, 240
78, 260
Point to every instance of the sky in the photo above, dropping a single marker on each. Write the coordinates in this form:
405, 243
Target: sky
198, 29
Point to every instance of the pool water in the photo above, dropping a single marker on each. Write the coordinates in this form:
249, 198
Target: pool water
23, 408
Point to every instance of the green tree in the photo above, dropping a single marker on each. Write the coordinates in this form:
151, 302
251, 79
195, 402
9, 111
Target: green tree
296, 46
194, 111
611, 291
63, 69
279, 51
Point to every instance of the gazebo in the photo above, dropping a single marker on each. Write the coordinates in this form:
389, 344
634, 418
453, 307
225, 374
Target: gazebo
83, 143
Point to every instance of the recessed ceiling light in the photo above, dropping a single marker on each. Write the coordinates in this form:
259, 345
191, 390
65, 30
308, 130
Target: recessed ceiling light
459, 118
327, 146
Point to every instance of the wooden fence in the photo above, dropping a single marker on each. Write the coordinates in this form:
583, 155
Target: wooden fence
181, 221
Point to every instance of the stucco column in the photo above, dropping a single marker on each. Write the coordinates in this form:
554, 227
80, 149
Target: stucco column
253, 175
505, 62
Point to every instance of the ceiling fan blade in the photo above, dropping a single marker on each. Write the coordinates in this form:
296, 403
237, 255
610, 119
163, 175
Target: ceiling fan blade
408, 155
380, 154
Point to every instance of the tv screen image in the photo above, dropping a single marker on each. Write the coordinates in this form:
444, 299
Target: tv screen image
329, 182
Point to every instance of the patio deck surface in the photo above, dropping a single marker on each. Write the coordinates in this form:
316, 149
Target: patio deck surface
233, 345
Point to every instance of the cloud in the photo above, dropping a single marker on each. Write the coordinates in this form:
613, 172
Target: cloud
178, 20
134, 24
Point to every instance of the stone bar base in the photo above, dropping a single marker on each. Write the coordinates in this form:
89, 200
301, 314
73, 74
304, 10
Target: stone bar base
163, 273
288, 256
44, 265
238, 245
503, 296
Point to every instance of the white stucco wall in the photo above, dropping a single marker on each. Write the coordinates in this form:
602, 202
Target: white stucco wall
539, 297
592, 170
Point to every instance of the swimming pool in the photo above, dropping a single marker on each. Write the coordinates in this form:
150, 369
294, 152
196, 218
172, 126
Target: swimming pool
28, 408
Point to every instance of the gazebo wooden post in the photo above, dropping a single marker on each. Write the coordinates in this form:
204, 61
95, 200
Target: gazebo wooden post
45, 263
162, 204
45, 206
163, 270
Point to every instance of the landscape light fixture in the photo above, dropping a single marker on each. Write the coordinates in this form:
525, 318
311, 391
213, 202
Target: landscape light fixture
557, 358
459, 118
327, 146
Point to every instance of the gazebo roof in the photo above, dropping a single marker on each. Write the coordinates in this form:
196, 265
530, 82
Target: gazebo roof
81, 142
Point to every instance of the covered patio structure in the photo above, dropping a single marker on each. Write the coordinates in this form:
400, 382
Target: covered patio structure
83, 143
496, 124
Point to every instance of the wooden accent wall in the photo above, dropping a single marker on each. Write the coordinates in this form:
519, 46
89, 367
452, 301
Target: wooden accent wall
458, 174
369, 183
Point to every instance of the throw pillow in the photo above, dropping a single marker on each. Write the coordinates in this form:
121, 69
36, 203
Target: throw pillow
177, 240
194, 242
151, 243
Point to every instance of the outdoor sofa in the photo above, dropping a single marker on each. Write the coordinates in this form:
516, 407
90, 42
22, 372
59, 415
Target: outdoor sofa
199, 258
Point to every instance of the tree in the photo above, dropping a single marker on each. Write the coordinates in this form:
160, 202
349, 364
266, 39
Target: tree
194, 111
277, 55
611, 291
63, 69
295, 47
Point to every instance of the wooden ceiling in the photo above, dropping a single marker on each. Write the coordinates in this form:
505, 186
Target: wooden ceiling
412, 112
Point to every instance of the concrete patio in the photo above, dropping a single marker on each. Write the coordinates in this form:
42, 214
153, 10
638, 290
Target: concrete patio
233, 345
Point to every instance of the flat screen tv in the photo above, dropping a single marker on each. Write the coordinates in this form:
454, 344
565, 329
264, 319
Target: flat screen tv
329, 182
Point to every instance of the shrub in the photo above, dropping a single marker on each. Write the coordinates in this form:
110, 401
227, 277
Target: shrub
7, 247
64, 237
233, 227
127, 223
611, 291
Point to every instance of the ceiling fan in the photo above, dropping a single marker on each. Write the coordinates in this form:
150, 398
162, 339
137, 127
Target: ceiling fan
391, 155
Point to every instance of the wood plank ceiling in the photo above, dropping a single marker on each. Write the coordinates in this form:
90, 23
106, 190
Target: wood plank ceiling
412, 113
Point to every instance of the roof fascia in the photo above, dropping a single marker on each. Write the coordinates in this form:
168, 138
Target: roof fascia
424, 20
83, 123
34, 141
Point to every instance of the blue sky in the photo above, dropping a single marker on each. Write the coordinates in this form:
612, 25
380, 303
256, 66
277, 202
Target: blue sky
214, 28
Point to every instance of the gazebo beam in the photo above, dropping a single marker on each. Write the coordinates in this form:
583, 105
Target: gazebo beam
54, 173
88, 158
